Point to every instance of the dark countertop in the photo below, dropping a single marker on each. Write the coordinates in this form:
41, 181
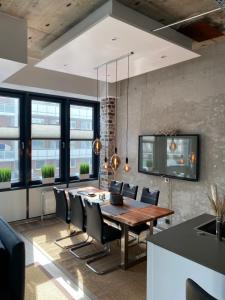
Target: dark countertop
185, 241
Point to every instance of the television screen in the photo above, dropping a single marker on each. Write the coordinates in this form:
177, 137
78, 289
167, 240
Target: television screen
170, 156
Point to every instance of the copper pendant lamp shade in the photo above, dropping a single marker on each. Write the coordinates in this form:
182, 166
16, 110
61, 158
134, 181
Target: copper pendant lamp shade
115, 161
97, 145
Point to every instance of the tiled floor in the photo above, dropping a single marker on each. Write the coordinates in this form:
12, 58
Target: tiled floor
117, 285
34, 255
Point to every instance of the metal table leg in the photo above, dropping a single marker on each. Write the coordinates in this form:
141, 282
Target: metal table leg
42, 205
125, 262
124, 246
151, 227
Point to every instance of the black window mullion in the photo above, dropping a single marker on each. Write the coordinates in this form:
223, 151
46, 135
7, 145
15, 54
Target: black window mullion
25, 134
65, 131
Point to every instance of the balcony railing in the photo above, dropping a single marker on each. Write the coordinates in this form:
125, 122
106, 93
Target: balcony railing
8, 155
53, 154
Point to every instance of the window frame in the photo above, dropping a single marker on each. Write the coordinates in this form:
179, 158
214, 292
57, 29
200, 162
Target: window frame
34, 97
20, 139
95, 125
25, 139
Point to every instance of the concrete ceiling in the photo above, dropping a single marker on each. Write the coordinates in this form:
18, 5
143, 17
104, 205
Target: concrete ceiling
49, 19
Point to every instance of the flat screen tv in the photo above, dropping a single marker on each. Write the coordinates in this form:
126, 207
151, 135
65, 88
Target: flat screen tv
169, 156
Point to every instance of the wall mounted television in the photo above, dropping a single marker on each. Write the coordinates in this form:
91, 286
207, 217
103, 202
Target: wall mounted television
170, 156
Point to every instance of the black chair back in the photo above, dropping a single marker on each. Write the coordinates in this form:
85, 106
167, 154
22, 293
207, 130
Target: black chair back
151, 197
62, 208
130, 191
94, 227
195, 292
12, 271
116, 187
77, 215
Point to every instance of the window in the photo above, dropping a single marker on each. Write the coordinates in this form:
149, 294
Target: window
81, 138
46, 135
10, 135
36, 130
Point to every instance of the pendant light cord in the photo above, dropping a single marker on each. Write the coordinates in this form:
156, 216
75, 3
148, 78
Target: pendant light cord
128, 81
116, 110
98, 133
106, 93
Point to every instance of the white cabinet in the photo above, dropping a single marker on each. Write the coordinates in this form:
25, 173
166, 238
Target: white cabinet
167, 273
13, 205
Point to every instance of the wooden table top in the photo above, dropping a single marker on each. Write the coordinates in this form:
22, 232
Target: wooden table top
133, 215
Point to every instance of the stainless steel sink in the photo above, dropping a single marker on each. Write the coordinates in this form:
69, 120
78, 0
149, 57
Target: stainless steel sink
209, 228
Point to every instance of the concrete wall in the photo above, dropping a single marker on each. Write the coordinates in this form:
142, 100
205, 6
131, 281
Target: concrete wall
191, 98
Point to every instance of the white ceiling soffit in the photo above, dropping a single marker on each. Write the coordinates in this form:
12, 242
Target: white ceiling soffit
110, 32
13, 41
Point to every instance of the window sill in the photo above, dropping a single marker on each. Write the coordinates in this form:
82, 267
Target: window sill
83, 180
13, 189
40, 185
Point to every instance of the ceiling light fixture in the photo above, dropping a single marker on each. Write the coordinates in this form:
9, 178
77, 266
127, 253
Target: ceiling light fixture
127, 166
97, 145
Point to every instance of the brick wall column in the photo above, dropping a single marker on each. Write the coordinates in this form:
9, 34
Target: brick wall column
107, 133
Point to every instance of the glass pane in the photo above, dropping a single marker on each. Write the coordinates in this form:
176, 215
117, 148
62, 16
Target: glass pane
9, 157
44, 152
81, 122
9, 117
181, 157
80, 152
45, 119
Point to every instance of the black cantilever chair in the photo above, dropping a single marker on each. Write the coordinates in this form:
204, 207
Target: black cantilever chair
195, 292
101, 232
150, 197
130, 191
63, 213
78, 219
116, 187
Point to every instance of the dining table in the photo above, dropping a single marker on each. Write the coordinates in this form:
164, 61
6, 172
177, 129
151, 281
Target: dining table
131, 213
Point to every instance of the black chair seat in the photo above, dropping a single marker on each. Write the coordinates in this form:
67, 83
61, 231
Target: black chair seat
110, 234
139, 228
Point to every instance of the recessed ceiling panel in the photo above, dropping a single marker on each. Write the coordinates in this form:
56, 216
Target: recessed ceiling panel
109, 39
8, 68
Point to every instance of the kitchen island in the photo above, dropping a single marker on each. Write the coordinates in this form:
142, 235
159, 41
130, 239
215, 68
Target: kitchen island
182, 252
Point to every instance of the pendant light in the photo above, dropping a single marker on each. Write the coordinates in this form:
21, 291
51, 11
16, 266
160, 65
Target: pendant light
105, 164
115, 159
126, 166
97, 145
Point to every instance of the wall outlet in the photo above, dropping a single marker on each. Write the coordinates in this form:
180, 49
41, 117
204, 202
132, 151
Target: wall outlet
167, 221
